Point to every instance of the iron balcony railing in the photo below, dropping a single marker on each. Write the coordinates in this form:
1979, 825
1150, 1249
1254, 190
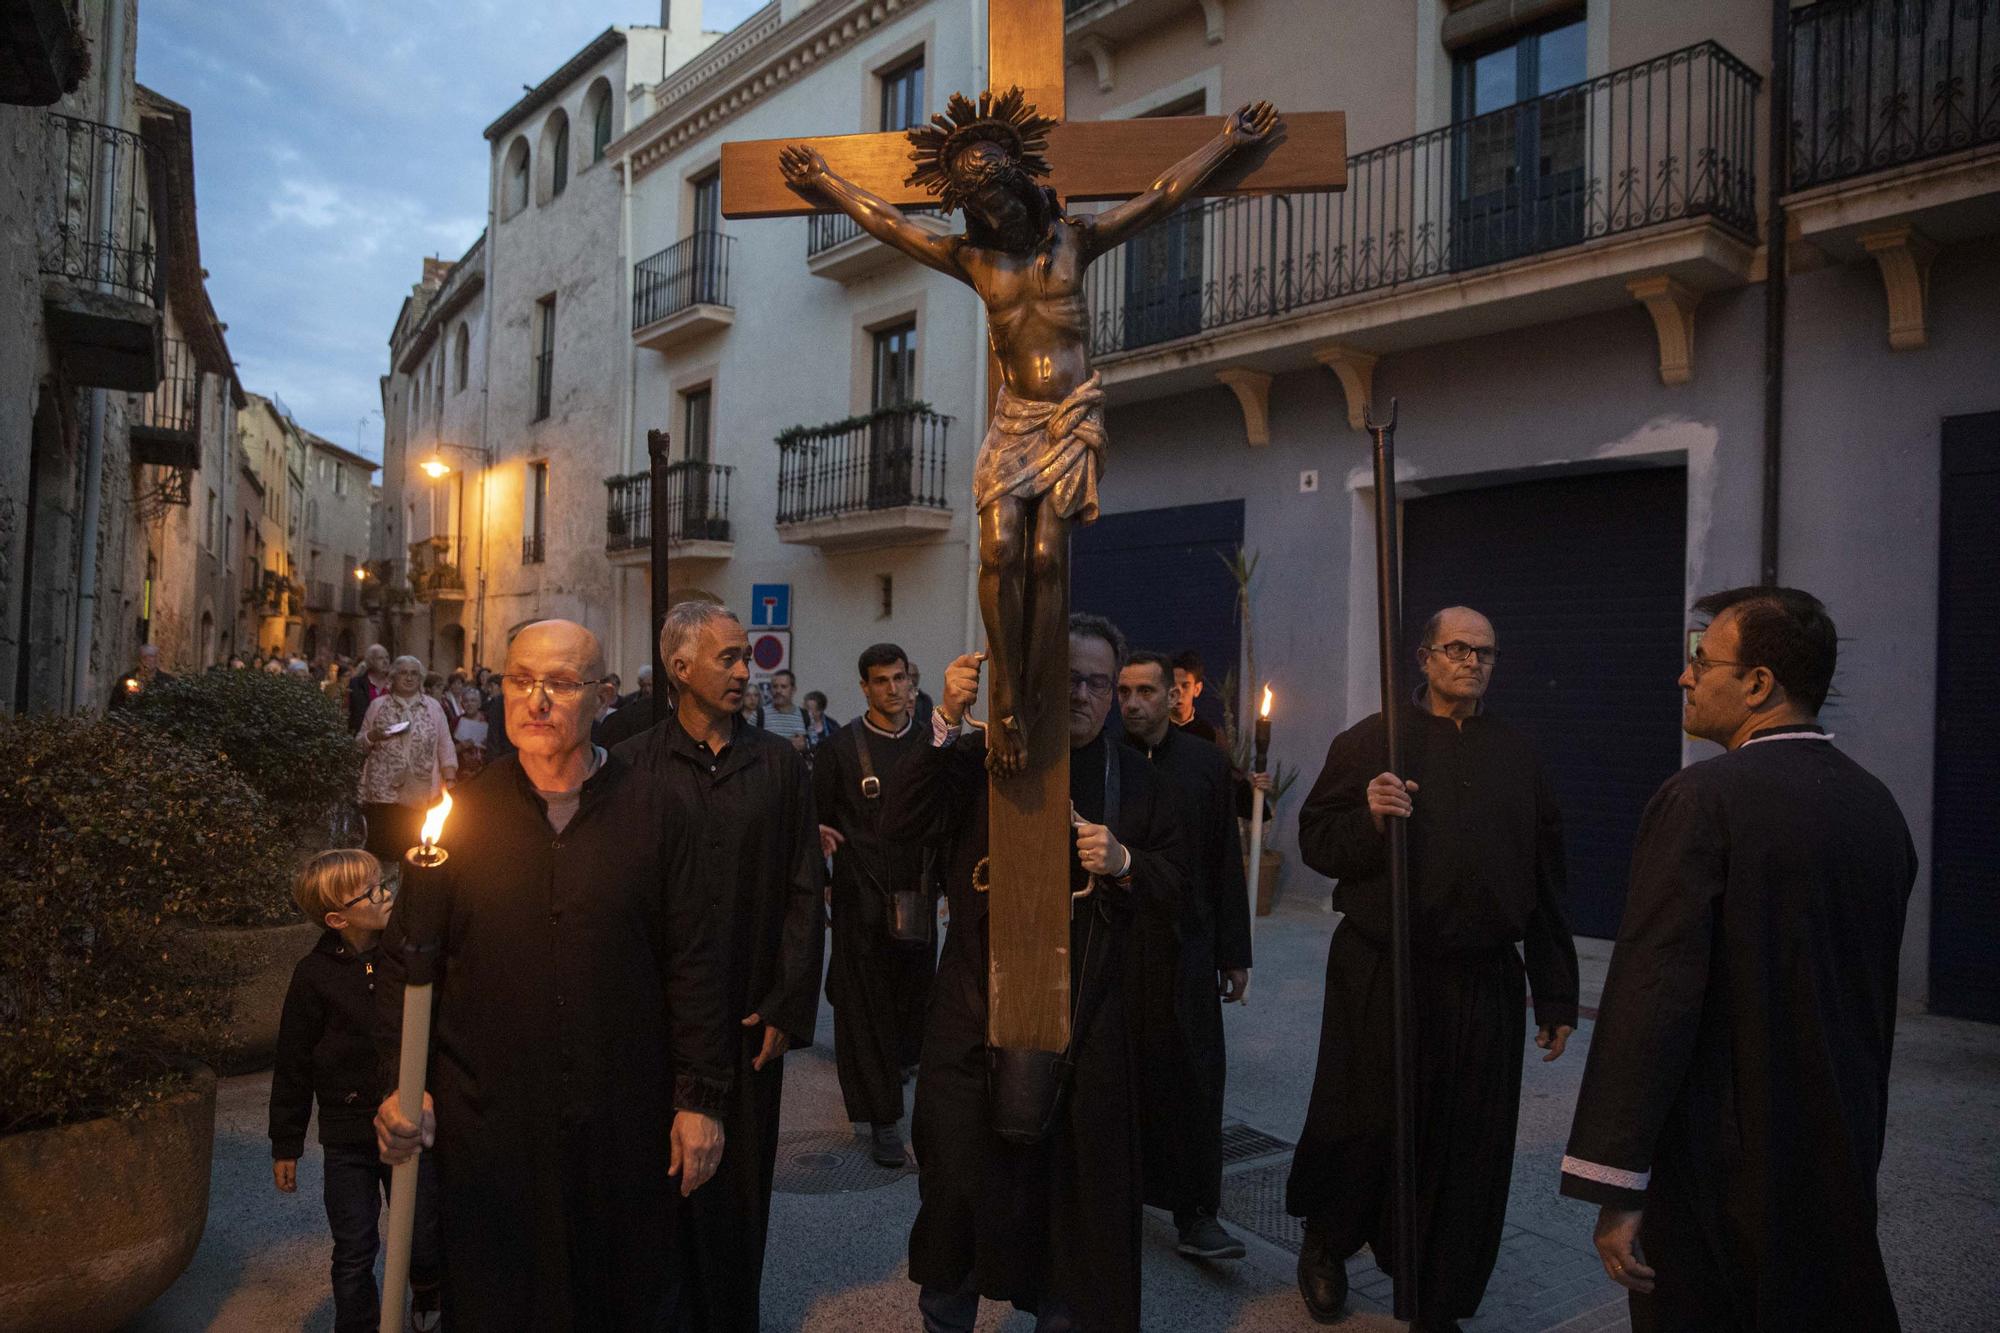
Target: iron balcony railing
101, 222
1667, 139
172, 407
436, 567
688, 273
534, 548
1877, 83
824, 231
697, 506
890, 459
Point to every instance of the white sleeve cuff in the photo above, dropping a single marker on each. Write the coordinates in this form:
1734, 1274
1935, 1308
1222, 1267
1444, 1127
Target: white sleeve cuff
1606, 1175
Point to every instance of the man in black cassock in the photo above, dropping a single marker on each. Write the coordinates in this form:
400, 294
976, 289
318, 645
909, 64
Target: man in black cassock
741, 854
1733, 1109
1182, 969
877, 984
1486, 872
580, 1054
1052, 1227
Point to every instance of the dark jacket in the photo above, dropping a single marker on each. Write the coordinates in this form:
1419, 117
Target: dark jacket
326, 1049
358, 700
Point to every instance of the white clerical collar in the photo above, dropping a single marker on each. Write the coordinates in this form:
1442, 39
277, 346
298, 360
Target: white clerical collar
1789, 734
908, 722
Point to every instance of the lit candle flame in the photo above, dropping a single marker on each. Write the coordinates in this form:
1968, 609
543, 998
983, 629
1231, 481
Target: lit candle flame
434, 820
1265, 711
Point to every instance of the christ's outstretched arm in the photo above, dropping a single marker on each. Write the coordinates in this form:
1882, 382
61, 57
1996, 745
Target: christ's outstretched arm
808, 173
1250, 125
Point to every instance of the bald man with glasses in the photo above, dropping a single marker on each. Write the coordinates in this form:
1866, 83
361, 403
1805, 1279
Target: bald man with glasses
1486, 876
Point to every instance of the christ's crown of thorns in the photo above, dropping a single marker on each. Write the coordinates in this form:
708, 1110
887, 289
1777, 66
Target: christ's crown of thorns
941, 150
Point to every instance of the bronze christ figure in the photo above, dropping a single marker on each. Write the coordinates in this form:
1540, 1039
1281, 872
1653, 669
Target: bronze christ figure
1044, 448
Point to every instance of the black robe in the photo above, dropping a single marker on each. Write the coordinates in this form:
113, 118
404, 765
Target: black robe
741, 852
1738, 1083
878, 986
1055, 1223
574, 1011
1171, 980
1486, 871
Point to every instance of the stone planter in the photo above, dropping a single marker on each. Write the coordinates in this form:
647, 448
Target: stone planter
98, 1218
248, 1040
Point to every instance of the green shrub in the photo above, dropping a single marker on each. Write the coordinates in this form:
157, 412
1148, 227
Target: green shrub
286, 738
113, 840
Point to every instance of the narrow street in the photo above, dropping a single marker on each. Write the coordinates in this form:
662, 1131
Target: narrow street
839, 1223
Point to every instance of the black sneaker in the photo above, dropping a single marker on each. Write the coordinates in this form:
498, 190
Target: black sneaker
1202, 1237
885, 1145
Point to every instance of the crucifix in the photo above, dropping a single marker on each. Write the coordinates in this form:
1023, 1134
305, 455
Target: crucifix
1008, 161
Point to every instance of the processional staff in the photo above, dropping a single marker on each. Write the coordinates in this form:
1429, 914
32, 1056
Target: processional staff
1389, 601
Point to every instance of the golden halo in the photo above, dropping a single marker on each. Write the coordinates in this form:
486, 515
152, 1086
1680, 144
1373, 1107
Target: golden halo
1008, 121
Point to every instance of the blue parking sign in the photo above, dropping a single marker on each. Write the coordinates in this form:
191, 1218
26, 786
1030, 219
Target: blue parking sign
770, 605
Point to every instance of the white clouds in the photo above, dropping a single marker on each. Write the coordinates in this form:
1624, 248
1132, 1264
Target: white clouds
306, 203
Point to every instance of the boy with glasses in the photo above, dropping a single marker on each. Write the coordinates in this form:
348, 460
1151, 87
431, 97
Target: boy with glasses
326, 1048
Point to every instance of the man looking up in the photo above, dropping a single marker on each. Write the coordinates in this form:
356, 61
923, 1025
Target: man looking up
743, 859
1486, 871
878, 984
1188, 684
1733, 1109
1184, 968
1052, 1226
574, 1019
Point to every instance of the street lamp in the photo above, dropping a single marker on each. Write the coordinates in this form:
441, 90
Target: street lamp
435, 468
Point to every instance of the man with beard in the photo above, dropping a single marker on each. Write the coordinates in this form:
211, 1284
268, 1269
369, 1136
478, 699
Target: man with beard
877, 983
1183, 969
1738, 1086
743, 858
1486, 872
1053, 1225
576, 1018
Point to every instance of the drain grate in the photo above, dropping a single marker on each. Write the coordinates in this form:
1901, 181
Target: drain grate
1243, 1143
1255, 1201
812, 1161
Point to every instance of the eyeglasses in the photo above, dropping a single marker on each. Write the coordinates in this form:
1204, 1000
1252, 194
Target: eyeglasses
378, 892
561, 691
1460, 651
1698, 665
1097, 682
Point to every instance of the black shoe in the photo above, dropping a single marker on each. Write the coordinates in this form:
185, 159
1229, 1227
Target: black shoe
1202, 1237
885, 1145
1322, 1281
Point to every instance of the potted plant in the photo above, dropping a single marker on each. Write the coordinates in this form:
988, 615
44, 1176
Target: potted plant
287, 741
109, 831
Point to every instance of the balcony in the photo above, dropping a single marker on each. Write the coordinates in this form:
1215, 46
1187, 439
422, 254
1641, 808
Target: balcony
319, 595
838, 249
350, 598
534, 548
1548, 209
682, 293
100, 247
272, 594
166, 428
437, 571
867, 482
1895, 137
697, 509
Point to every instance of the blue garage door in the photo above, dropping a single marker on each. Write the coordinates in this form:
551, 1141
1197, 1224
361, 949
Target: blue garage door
1160, 575
1965, 835
1583, 580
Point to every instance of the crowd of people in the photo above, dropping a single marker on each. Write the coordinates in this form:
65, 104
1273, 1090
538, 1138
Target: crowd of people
634, 939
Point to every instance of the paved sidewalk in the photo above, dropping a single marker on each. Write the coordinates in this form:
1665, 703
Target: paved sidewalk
839, 1224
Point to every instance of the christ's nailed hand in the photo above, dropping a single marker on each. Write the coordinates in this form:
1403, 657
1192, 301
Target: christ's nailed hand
802, 164
695, 1149
395, 1137
1389, 795
961, 686
1251, 124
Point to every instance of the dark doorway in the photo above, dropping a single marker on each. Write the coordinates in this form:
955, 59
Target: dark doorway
1162, 576
1583, 578
1965, 836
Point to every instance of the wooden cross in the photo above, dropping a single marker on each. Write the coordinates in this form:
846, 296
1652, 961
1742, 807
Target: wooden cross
1028, 912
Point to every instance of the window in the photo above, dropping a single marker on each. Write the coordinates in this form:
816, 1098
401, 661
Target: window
704, 513
208, 523
707, 211
696, 413
339, 479
895, 365
890, 438
461, 357
534, 535
515, 178
545, 355
555, 148
1164, 263
597, 110
903, 94
1519, 148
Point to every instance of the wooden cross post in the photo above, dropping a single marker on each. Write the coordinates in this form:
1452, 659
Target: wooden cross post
1028, 912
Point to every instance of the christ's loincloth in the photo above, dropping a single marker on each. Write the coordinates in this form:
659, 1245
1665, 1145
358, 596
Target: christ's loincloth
1034, 448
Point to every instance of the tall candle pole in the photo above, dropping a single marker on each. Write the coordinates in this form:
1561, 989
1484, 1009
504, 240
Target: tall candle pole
418, 906
1260, 757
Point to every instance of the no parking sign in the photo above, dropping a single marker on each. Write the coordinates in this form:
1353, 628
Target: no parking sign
770, 653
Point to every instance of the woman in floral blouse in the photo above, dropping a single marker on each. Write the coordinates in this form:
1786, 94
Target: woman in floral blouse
410, 759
